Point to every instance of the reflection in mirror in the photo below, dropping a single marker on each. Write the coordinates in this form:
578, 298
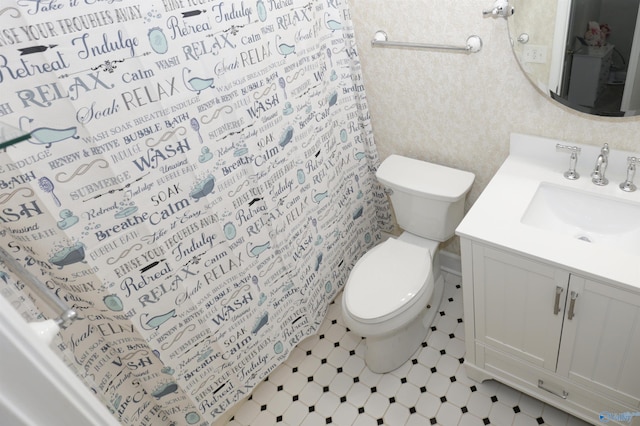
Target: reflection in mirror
583, 53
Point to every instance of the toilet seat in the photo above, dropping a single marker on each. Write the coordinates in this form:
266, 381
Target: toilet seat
387, 280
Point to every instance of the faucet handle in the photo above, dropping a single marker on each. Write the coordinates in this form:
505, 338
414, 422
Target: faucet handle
570, 174
628, 185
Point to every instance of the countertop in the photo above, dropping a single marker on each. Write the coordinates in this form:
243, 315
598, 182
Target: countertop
495, 218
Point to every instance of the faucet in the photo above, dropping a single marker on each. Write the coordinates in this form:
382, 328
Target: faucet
628, 185
570, 174
601, 167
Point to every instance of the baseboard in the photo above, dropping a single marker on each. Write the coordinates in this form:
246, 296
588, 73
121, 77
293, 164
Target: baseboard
450, 262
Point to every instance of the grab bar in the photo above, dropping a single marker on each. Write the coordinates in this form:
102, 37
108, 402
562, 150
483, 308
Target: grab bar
474, 44
65, 314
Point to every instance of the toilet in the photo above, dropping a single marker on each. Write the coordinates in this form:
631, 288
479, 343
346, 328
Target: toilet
394, 291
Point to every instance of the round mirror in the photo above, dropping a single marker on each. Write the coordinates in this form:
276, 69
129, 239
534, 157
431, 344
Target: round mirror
582, 53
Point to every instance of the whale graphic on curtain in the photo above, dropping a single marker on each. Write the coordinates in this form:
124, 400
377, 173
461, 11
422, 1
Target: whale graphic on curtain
198, 183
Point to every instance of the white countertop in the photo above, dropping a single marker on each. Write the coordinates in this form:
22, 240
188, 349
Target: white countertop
495, 216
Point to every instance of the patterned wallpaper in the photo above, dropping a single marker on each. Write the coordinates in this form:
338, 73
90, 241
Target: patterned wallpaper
458, 109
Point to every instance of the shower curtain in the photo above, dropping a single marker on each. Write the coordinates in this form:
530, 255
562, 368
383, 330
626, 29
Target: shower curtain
198, 181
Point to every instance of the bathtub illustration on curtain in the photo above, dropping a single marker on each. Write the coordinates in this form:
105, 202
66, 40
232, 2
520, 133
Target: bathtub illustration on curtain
198, 205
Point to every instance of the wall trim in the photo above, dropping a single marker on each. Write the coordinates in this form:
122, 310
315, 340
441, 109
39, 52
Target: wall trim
450, 262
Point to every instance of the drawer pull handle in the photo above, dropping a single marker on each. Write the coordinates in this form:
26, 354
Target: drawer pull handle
572, 305
556, 307
564, 394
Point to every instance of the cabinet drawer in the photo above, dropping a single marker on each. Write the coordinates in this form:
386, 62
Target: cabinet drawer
526, 378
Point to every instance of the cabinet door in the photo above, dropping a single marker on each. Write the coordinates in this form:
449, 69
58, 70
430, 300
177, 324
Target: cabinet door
601, 343
519, 305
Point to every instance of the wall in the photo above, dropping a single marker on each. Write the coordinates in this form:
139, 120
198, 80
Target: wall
459, 109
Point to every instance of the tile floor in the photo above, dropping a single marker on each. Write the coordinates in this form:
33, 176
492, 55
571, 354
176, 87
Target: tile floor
325, 381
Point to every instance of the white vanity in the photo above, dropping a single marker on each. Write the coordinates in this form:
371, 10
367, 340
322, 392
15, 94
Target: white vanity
551, 282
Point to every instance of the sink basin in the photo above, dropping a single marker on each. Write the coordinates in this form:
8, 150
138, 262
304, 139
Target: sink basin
585, 216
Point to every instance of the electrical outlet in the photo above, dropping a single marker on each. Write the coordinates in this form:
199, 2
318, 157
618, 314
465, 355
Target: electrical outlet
534, 53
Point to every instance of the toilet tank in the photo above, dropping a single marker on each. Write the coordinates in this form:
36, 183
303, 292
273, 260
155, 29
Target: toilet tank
427, 198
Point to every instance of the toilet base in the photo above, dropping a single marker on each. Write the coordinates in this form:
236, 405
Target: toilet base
386, 353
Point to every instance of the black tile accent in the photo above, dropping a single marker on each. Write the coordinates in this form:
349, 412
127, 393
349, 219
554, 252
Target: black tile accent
494, 398
356, 379
334, 321
473, 388
486, 421
336, 344
412, 410
392, 400
308, 352
452, 336
423, 389
374, 389
433, 328
325, 389
428, 306
310, 379
348, 329
343, 399
321, 336
424, 344
414, 361
459, 320
323, 361
280, 388
312, 409
352, 352
516, 409
461, 360
443, 352
442, 313
450, 299
433, 369
339, 370
464, 410
295, 398
263, 407
328, 420
278, 419
403, 380
294, 370
360, 410
540, 420
433, 421
380, 421
452, 379
457, 285
443, 399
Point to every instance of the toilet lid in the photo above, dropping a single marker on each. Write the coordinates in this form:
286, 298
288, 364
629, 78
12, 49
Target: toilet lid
386, 279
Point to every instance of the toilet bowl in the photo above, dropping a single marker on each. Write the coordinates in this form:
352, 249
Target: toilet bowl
394, 318
394, 290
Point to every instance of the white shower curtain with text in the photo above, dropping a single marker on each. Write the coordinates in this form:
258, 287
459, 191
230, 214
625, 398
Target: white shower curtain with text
198, 181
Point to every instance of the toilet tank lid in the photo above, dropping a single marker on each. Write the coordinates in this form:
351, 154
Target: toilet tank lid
421, 177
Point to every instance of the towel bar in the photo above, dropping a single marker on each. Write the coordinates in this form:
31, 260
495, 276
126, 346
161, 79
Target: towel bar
66, 314
474, 44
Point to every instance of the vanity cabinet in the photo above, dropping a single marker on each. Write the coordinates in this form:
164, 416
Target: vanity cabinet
566, 339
